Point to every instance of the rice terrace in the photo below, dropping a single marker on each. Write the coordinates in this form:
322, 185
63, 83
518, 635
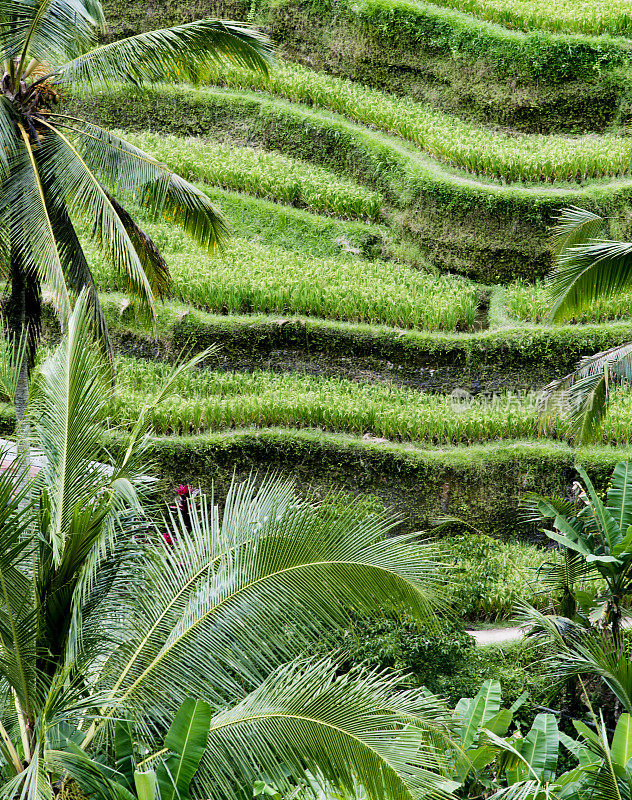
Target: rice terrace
315, 400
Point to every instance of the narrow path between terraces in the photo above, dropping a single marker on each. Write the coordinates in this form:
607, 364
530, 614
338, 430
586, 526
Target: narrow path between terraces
497, 635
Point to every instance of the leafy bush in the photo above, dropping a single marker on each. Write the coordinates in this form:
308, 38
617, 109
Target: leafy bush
427, 655
488, 577
444, 659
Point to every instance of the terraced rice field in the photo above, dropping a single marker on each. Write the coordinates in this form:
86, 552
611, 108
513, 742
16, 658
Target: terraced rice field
581, 16
417, 240
249, 276
529, 303
477, 150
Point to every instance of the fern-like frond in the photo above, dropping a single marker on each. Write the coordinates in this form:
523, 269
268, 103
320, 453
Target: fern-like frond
355, 730
585, 273
191, 53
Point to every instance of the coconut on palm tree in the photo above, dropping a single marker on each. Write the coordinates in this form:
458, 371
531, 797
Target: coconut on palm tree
590, 266
59, 174
111, 631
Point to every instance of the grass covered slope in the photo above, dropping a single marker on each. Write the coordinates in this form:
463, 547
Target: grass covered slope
594, 17
487, 230
472, 148
350, 205
538, 81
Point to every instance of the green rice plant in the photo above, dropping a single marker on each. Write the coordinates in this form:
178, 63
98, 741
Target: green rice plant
210, 401
461, 144
616, 426
250, 277
269, 175
529, 302
580, 16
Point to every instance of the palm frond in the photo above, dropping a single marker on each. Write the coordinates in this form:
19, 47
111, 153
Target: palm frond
576, 226
146, 181
191, 53
69, 180
585, 273
596, 654
25, 212
47, 30
56, 30
12, 355
566, 573
17, 623
577, 402
77, 271
154, 265
284, 576
355, 729
68, 405
8, 140
536, 508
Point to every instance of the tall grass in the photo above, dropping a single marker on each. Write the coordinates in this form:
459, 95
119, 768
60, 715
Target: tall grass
250, 277
476, 149
579, 16
207, 401
269, 175
530, 303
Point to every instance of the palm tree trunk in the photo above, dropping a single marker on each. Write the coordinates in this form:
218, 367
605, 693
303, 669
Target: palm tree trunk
24, 314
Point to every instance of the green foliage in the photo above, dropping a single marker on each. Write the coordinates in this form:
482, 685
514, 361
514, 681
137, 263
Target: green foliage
109, 609
426, 655
213, 401
300, 231
538, 54
597, 539
516, 358
487, 577
443, 658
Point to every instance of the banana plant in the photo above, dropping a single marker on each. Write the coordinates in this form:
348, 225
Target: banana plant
165, 774
603, 770
597, 541
178, 761
482, 726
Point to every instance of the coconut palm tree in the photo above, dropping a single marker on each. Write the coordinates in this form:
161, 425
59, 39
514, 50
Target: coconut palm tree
59, 174
589, 266
111, 615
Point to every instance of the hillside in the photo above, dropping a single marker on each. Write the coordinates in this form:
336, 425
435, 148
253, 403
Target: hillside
391, 190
